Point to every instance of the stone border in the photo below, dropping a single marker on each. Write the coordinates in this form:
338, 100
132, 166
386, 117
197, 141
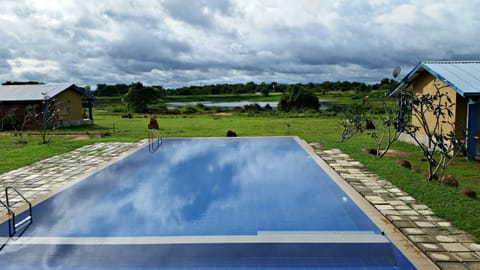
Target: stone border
40, 179
447, 246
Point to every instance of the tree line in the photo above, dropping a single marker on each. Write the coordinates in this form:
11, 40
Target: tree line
250, 87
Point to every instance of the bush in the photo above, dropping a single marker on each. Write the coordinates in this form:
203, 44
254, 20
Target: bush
190, 109
116, 108
157, 108
139, 97
297, 99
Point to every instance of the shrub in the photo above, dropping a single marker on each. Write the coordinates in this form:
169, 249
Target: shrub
297, 99
190, 109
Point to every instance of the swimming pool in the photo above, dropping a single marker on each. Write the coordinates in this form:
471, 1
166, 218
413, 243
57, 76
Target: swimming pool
204, 202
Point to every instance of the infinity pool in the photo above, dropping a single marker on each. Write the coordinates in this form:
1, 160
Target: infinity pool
254, 203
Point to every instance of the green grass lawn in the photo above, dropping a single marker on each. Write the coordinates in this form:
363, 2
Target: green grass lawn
447, 202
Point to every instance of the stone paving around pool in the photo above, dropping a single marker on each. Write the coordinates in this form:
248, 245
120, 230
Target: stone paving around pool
55, 172
447, 246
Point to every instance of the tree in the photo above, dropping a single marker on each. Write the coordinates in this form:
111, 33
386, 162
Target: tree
20, 83
46, 117
433, 114
111, 90
250, 87
297, 99
264, 89
362, 88
383, 126
12, 116
353, 122
139, 97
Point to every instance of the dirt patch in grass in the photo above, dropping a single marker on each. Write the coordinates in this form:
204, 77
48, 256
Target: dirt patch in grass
81, 136
390, 153
223, 114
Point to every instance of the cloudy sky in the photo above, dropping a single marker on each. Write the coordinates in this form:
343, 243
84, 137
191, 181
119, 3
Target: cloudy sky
195, 42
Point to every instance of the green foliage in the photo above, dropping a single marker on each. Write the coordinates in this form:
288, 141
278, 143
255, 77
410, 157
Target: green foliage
353, 122
383, 125
251, 88
116, 108
111, 90
273, 87
190, 109
298, 99
434, 114
139, 97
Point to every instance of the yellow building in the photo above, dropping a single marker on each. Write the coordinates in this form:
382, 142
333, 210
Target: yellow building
460, 80
75, 101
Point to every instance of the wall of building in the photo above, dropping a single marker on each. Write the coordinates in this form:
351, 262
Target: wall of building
426, 84
21, 116
71, 101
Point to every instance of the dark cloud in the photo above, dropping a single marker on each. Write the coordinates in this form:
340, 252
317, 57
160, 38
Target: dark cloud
141, 51
175, 43
4, 55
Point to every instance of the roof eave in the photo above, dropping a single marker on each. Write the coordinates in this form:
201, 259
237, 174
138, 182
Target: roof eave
424, 66
405, 80
79, 90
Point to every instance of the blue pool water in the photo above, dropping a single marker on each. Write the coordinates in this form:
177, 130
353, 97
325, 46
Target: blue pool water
221, 202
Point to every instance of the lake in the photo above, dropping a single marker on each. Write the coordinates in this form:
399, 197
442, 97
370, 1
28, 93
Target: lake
324, 104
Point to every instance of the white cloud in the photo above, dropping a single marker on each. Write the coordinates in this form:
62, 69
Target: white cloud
175, 43
22, 65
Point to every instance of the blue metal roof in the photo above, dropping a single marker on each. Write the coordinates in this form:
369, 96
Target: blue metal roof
462, 76
36, 92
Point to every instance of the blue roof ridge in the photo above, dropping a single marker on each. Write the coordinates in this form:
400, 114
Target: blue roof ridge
452, 62
466, 84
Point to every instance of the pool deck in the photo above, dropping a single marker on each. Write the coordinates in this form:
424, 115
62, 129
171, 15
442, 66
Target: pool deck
447, 246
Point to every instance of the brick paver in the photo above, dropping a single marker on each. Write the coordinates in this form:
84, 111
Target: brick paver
52, 173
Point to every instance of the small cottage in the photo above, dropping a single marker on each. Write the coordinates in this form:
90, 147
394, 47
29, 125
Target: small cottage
78, 101
461, 81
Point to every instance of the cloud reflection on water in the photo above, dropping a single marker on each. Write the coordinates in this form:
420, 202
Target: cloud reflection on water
202, 187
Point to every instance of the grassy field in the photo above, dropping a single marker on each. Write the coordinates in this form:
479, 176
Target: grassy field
447, 202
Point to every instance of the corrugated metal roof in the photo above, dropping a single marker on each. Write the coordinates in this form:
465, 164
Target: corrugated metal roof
462, 76
31, 92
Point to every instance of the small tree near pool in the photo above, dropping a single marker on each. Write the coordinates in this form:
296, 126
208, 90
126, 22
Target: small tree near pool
433, 113
383, 125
